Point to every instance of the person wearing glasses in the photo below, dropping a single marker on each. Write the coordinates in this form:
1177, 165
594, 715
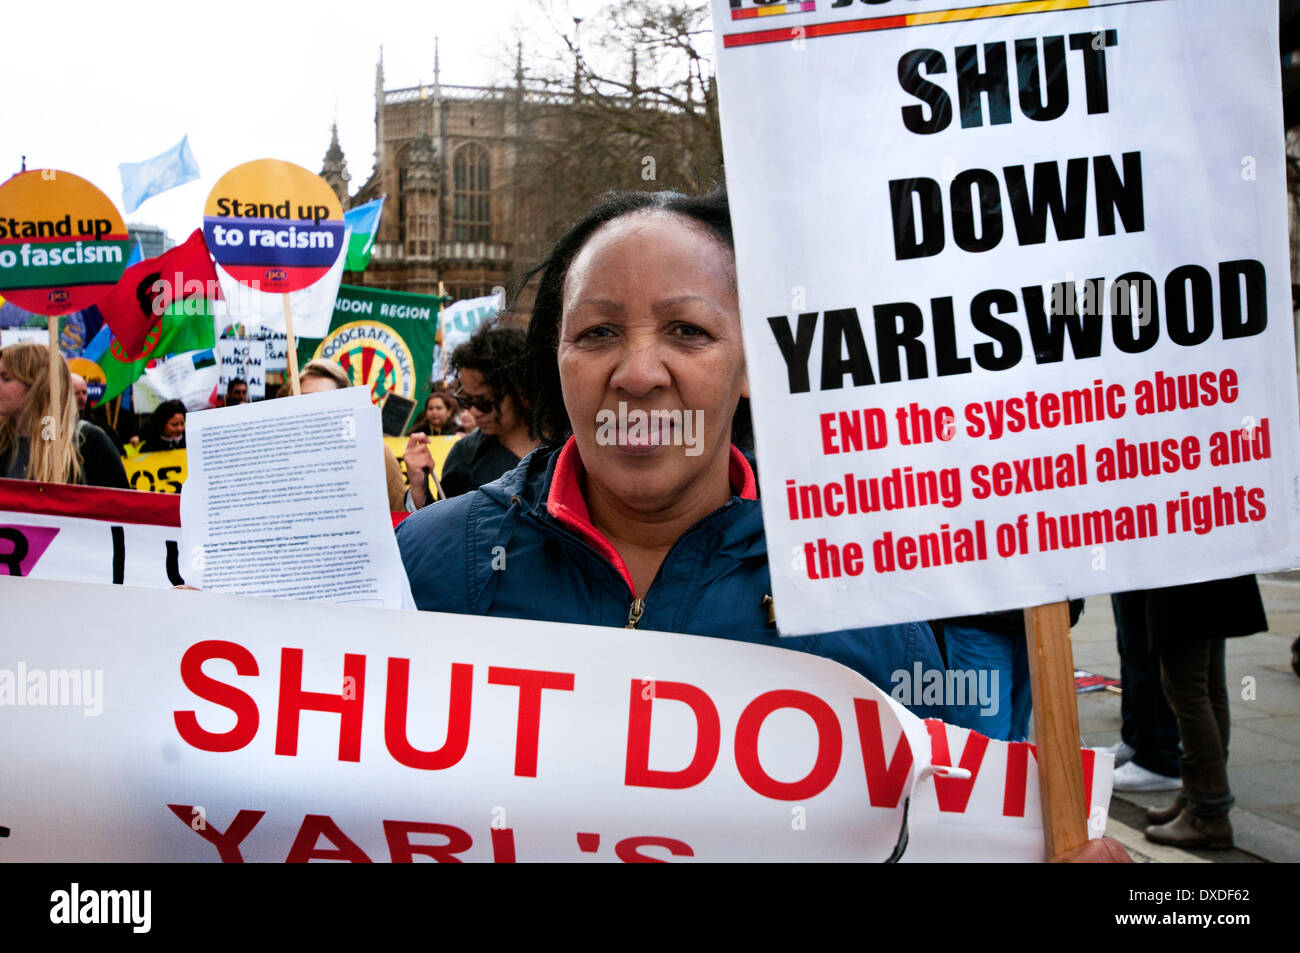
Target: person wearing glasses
490, 370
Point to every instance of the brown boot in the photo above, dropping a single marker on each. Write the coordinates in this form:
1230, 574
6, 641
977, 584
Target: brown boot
1188, 830
1163, 815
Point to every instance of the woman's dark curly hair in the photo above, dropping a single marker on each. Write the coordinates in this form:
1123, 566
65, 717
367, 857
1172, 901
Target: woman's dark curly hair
550, 419
499, 354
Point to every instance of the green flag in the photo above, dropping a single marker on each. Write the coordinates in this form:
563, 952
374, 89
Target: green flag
382, 339
184, 326
364, 223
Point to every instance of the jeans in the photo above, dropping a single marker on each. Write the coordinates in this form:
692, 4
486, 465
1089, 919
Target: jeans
973, 649
1148, 723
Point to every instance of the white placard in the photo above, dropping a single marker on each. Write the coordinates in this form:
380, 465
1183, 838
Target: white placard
11, 336
1016, 297
287, 498
190, 377
245, 359
276, 341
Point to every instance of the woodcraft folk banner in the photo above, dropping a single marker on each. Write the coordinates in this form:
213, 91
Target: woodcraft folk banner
206, 727
1016, 298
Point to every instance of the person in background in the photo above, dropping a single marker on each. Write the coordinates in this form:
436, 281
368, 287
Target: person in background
92, 415
440, 412
439, 418
1148, 752
490, 370
166, 430
320, 375
80, 392
37, 439
1188, 625
236, 392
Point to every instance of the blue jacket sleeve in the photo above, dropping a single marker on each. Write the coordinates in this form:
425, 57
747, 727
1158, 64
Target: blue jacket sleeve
432, 543
887, 655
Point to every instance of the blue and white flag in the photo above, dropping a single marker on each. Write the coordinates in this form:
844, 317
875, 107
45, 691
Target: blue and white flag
143, 180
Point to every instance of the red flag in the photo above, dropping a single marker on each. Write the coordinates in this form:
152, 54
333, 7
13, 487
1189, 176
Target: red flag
145, 290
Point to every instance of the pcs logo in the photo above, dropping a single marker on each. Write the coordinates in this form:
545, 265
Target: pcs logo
58, 296
276, 274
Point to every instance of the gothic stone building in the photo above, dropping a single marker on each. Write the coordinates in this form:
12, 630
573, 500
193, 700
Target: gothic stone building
446, 159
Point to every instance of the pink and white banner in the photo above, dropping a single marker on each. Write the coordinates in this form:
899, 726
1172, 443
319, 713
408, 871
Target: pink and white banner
89, 534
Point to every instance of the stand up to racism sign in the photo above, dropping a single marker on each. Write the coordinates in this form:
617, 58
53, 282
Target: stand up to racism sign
273, 225
1016, 296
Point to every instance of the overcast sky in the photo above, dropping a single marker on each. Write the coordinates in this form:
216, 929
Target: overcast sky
88, 85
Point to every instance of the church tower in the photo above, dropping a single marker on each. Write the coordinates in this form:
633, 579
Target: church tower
335, 169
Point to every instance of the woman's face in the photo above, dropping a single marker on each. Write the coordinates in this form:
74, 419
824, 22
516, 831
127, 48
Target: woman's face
436, 412
174, 429
651, 322
13, 392
502, 418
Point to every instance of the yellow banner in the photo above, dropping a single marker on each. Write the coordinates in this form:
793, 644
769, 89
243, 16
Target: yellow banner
161, 472
165, 471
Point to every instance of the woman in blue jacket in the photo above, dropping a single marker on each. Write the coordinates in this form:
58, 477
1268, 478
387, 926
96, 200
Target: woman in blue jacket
637, 510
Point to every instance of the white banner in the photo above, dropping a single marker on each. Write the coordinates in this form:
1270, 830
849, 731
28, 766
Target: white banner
87, 534
1016, 296
463, 318
203, 726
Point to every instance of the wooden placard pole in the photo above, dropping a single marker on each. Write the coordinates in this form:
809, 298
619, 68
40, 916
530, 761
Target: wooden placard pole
291, 346
55, 377
1056, 727
442, 298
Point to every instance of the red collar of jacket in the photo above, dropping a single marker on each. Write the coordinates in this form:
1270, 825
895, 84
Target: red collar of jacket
566, 503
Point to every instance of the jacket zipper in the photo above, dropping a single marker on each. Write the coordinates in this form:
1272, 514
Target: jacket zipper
637, 608
634, 613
